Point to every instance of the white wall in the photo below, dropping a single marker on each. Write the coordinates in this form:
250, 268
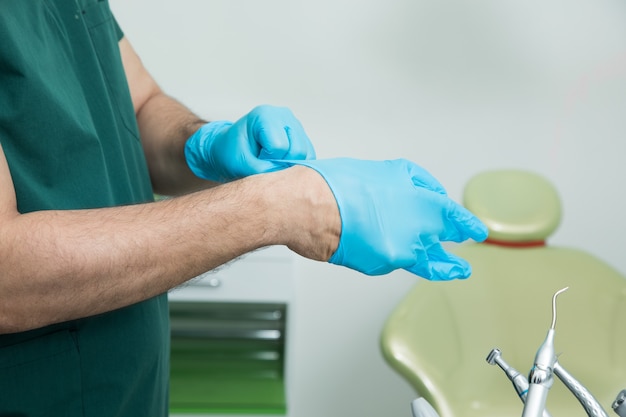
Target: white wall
456, 86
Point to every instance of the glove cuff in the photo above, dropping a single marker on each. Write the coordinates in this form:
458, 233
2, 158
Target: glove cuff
198, 149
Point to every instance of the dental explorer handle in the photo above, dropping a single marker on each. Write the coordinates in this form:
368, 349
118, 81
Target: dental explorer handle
535, 404
541, 376
520, 383
582, 394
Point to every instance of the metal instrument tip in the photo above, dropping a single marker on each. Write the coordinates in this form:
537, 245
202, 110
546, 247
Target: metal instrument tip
556, 294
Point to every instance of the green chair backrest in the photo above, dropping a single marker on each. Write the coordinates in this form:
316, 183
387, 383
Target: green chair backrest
440, 334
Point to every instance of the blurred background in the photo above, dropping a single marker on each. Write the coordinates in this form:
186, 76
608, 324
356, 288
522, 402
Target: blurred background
458, 87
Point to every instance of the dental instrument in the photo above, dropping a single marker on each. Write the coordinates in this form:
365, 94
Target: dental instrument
541, 376
519, 381
588, 401
534, 391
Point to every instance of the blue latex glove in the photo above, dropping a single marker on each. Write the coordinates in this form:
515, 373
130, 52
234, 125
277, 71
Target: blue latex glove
394, 214
222, 151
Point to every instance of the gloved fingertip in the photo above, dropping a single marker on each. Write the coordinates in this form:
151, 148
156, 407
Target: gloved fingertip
461, 273
271, 142
467, 224
422, 178
452, 272
446, 266
476, 229
482, 232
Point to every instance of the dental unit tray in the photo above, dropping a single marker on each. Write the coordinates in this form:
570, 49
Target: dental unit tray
533, 390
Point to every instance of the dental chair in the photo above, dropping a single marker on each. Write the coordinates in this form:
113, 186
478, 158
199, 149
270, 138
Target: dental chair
440, 334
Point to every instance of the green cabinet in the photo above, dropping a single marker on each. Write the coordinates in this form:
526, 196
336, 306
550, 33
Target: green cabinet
227, 358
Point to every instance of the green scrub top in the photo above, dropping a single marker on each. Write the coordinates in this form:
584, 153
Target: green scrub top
69, 133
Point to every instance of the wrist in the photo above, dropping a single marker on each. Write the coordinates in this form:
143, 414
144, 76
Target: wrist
303, 212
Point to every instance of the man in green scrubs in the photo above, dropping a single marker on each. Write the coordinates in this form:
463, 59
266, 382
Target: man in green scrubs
87, 256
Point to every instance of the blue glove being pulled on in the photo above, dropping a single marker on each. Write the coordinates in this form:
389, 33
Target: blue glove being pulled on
394, 214
222, 151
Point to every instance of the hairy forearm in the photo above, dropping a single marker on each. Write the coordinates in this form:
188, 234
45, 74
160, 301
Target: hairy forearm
62, 265
165, 125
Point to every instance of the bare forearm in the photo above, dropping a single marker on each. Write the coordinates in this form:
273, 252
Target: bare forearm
165, 125
79, 263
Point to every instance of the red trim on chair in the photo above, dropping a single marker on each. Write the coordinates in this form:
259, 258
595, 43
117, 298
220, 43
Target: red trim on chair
531, 244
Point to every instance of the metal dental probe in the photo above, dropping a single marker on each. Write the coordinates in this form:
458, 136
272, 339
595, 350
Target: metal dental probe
519, 381
541, 375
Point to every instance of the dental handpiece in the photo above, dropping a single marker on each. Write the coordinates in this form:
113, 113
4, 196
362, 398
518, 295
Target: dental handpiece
541, 376
582, 394
519, 381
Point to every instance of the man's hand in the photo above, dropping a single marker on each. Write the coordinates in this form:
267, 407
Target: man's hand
394, 215
222, 151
